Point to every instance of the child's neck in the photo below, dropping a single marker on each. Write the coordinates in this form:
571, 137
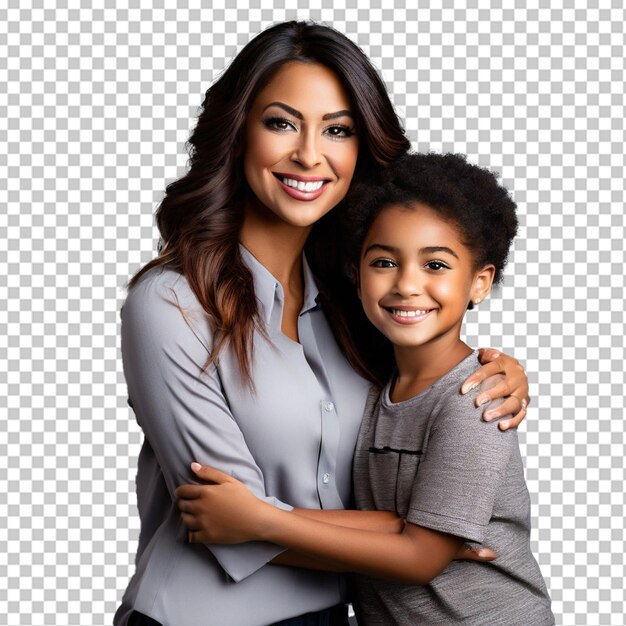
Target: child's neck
420, 366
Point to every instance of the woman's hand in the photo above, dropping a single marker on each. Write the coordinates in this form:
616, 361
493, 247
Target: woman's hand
224, 511
513, 387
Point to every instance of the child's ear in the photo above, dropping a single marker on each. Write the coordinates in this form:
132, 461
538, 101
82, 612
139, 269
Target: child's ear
483, 280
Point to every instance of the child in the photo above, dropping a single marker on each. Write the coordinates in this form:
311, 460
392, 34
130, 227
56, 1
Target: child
426, 244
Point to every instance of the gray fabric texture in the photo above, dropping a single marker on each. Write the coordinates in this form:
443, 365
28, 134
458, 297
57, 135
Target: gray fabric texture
434, 461
292, 440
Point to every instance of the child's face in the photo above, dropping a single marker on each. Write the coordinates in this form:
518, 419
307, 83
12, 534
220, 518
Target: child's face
416, 276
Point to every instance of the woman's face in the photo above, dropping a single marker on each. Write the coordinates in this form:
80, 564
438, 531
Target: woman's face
300, 144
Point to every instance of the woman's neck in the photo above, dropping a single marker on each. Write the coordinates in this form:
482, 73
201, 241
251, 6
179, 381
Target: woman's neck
277, 246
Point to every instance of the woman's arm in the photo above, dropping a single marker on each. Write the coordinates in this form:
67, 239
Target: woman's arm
179, 402
415, 555
509, 382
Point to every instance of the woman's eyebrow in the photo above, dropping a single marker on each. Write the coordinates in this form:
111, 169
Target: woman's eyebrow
334, 116
297, 114
287, 108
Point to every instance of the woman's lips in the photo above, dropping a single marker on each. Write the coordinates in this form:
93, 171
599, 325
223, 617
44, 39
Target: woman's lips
302, 188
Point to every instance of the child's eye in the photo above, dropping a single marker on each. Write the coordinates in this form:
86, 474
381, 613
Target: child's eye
384, 263
340, 131
437, 266
278, 123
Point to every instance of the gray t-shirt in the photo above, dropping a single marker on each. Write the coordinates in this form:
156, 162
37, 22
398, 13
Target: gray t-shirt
434, 461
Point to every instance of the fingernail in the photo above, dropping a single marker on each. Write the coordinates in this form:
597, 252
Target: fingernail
482, 553
469, 387
504, 425
196, 466
489, 415
482, 400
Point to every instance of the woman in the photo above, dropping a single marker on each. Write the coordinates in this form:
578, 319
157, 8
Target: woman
229, 337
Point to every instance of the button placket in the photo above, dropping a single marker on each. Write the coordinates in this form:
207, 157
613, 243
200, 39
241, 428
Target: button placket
328, 407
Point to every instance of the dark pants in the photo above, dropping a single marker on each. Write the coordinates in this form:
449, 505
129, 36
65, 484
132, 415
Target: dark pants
139, 619
335, 616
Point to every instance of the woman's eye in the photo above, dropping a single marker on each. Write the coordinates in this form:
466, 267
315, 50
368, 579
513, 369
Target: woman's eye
278, 123
340, 131
437, 265
383, 263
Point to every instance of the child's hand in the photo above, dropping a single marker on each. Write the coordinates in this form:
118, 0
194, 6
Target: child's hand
513, 387
223, 512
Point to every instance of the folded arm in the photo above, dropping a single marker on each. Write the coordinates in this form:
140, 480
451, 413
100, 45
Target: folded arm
413, 555
180, 404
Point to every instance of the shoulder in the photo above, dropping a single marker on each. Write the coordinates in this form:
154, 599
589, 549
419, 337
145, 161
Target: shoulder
158, 290
160, 284
161, 304
459, 410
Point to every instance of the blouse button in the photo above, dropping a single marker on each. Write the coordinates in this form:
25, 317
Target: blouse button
326, 478
328, 406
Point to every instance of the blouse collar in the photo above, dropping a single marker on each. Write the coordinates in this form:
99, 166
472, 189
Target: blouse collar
269, 291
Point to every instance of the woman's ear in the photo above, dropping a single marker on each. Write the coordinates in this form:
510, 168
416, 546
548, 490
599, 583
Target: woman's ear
483, 280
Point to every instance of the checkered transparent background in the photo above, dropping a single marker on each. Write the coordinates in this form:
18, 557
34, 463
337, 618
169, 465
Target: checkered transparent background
96, 104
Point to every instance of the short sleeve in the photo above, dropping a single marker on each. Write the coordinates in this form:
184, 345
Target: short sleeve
461, 469
179, 402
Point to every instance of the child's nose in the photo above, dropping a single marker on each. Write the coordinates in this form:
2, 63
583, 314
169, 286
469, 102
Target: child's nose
408, 283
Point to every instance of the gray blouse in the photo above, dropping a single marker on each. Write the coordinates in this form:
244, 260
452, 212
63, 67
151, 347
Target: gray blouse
291, 441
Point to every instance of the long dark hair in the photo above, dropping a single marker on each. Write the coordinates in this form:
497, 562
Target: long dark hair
201, 215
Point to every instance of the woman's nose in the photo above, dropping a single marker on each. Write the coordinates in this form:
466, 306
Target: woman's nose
307, 151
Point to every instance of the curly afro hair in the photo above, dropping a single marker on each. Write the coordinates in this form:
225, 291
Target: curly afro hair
465, 194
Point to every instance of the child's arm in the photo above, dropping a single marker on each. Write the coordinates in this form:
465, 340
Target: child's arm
416, 555
378, 521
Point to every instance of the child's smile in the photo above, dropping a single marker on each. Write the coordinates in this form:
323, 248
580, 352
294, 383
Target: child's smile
408, 315
417, 277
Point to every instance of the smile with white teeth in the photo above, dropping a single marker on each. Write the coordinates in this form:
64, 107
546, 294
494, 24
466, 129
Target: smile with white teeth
414, 313
300, 185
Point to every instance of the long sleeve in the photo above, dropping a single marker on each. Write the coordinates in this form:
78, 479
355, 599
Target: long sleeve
291, 440
180, 404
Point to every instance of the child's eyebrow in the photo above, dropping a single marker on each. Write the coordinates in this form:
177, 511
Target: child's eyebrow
380, 246
427, 250
431, 249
